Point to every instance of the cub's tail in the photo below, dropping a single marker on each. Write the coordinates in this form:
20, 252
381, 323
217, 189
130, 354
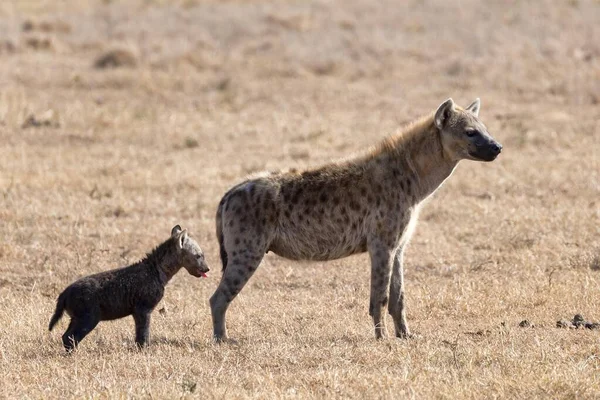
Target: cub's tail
58, 313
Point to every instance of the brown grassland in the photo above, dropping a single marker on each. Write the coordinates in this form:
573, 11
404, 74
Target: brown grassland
98, 163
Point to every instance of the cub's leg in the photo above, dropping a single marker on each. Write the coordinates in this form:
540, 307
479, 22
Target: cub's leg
67, 336
81, 328
142, 327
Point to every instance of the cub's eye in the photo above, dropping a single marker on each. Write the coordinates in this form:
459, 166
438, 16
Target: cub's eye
471, 133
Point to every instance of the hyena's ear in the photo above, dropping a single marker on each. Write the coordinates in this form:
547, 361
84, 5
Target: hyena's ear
181, 239
475, 106
176, 230
443, 113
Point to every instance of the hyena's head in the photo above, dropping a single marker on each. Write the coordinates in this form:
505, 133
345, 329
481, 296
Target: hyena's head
189, 253
463, 135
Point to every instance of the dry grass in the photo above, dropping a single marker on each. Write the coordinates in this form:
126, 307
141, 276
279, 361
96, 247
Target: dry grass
224, 89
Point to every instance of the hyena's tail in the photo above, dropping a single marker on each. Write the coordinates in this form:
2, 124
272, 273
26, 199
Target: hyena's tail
60, 309
220, 233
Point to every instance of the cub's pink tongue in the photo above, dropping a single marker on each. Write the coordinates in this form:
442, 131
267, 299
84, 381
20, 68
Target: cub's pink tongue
202, 274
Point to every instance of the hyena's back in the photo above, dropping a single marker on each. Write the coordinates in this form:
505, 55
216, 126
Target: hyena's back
316, 215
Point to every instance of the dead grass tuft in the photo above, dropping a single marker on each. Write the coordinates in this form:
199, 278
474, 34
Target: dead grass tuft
594, 261
48, 118
7, 46
47, 26
588, 259
40, 42
117, 58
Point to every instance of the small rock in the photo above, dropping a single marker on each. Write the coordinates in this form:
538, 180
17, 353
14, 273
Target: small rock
191, 142
563, 323
578, 320
223, 84
592, 325
526, 324
119, 212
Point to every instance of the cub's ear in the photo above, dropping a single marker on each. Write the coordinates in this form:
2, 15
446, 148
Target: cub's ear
443, 113
475, 106
176, 230
181, 239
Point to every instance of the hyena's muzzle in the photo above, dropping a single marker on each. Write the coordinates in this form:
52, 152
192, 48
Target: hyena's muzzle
484, 147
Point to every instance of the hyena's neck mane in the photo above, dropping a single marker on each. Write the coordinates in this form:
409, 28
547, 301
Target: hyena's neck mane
417, 151
163, 260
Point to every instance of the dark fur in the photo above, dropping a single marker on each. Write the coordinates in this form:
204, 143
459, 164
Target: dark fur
220, 236
133, 290
218, 220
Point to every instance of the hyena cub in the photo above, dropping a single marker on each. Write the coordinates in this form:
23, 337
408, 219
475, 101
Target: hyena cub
133, 290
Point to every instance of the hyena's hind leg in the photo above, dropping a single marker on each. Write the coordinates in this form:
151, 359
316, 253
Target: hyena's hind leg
245, 225
79, 329
396, 307
67, 337
235, 276
381, 267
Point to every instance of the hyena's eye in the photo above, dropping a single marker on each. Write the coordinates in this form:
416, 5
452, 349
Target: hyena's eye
471, 133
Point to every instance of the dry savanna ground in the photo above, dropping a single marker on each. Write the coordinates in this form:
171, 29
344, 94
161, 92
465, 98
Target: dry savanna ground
119, 119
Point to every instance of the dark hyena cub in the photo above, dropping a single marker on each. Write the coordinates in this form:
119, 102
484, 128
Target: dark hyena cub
133, 290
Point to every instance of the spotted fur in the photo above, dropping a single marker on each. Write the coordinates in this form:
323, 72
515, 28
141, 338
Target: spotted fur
367, 203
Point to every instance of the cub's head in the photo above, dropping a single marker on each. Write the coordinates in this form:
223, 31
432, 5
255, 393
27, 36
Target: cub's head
463, 135
190, 255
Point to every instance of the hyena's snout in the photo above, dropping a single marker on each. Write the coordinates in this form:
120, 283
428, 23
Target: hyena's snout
199, 270
495, 148
488, 149
204, 269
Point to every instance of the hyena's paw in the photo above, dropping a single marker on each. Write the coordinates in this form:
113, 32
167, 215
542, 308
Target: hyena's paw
140, 346
225, 340
408, 336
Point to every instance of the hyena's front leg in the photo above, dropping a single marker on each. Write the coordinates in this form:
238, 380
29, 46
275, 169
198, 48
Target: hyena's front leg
396, 306
381, 266
142, 327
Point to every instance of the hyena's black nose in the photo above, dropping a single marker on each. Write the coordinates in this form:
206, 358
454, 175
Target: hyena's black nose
496, 147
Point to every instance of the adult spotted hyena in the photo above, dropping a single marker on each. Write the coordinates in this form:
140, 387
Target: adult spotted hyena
367, 203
